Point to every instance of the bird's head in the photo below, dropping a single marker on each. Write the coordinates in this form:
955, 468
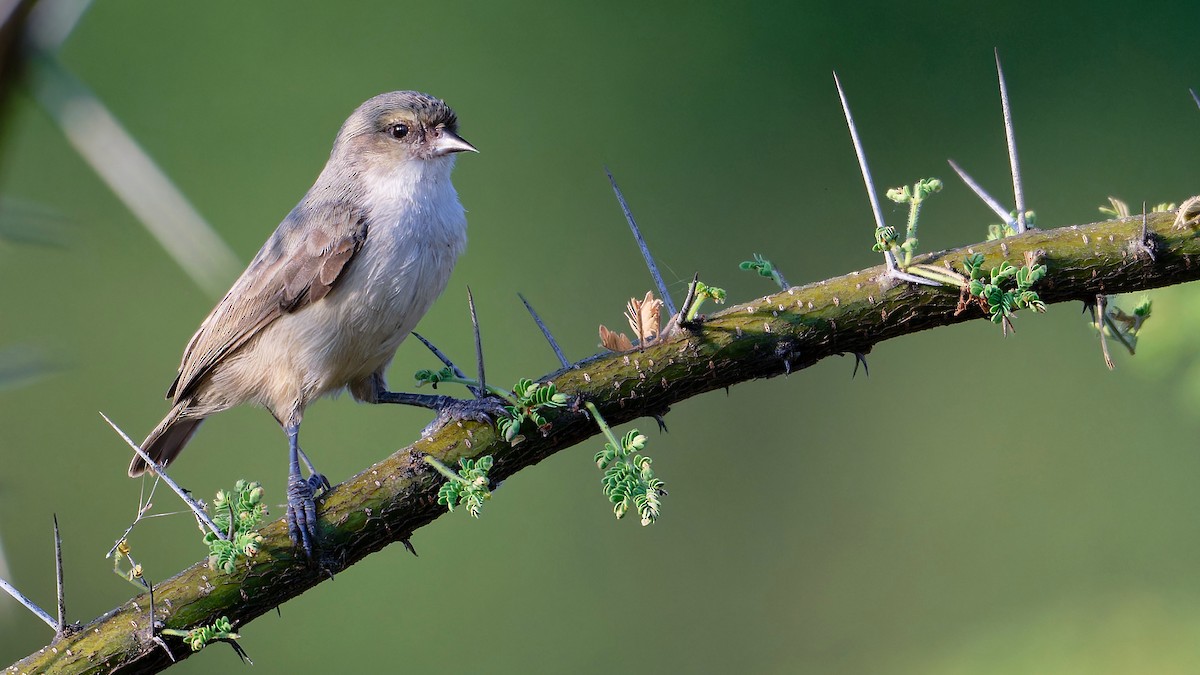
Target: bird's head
401, 126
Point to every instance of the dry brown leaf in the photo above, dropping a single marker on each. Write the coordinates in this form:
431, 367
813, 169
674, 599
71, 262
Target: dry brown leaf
612, 341
643, 316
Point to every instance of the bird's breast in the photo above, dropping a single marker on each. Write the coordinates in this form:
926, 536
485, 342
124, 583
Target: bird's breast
413, 241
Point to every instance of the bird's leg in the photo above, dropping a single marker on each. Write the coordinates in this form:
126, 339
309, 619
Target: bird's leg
301, 510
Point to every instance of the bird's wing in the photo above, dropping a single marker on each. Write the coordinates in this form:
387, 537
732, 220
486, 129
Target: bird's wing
297, 266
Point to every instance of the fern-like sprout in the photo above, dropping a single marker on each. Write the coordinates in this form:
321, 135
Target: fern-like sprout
629, 480
238, 514
1002, 302
469, 486
529, 398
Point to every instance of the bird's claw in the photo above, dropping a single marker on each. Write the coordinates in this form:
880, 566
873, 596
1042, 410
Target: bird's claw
318, 481
302, 512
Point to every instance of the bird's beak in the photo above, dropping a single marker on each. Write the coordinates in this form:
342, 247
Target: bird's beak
448, 142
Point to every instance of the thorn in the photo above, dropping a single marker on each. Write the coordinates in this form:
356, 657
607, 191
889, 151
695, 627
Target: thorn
860, 357
862, 165
478, 344
637, 234
1015, 165
200, 514
441, 356
1099, 311
546, 332
29, 604
445, 360
240, 651
982, 194
662, 423
409, 547
154, 637
1147, 242
58, 576
688, 301
1195, 97
895, 273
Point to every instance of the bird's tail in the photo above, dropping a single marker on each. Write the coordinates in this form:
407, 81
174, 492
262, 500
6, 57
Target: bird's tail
167, 440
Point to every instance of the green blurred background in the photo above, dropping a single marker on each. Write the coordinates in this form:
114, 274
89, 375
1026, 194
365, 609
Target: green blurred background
901, 523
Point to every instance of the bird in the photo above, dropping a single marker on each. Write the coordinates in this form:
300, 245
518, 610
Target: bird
333, 292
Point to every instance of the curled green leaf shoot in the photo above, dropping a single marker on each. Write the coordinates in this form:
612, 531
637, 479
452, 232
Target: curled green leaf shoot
469, 486
629, 480
914, 196
446, 376
704, 292
201, 636
764, 268
238, 514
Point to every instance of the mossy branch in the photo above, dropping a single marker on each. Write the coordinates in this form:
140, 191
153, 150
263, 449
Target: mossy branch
769, 336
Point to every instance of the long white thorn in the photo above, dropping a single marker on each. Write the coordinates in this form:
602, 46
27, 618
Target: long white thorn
862, 165
167, 479
29, 604
981, 193
1014, 163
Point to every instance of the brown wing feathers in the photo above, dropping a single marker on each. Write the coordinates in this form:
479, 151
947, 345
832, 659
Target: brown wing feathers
292, 271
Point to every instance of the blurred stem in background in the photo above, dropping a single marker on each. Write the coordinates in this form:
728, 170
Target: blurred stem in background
116, 157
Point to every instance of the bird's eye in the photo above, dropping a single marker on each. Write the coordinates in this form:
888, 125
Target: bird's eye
398, 130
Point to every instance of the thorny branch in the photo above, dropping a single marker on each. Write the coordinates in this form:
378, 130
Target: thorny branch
766, 337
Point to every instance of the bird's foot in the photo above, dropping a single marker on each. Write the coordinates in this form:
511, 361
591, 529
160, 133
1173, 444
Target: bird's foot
448, 408
486, 410
302, 511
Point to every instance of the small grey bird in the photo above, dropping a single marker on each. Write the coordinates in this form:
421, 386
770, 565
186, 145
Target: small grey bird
334, 291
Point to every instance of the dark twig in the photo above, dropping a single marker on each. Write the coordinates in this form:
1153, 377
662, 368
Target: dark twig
200, 514
478, 344
1015, 165
446, 360
58, 576
1146, 241
859, 357
441, 355
154, 636
562, 359
637, 234
688, 301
